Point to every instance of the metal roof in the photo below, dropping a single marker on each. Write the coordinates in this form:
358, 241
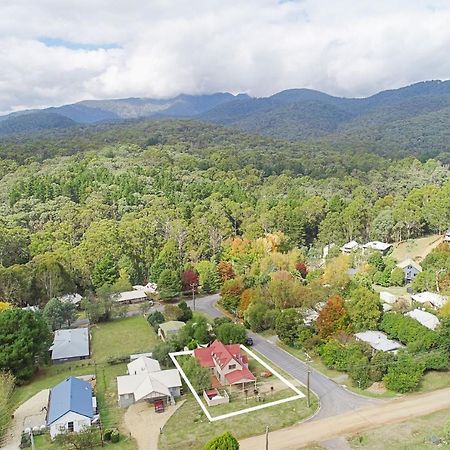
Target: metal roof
378, 341
71, 343
425, 318
73, 395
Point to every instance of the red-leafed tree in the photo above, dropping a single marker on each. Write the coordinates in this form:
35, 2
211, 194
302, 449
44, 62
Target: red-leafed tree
189, 280
333, 317
226, 271
301, 269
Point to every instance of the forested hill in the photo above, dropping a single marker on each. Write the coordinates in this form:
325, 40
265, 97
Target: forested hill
413, 120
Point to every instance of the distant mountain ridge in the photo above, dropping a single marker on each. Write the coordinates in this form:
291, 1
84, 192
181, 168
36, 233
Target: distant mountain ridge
412, 119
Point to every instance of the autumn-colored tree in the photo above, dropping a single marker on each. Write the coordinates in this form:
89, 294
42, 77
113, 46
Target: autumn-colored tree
246, 298
231, 294
4, 306
332, 317
335, 272
226, 271
189, 280
301, 269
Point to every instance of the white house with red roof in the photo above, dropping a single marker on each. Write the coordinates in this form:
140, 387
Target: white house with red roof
226, 362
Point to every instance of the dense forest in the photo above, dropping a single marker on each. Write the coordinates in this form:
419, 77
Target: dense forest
85, 206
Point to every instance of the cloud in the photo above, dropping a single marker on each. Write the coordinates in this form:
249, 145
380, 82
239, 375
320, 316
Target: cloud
77, 49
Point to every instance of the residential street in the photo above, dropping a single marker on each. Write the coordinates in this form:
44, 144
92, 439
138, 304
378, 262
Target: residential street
334, 399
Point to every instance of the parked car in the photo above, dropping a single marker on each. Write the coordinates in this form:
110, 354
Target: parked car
249, 341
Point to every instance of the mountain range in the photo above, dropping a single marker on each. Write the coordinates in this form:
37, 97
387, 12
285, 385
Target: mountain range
412, 119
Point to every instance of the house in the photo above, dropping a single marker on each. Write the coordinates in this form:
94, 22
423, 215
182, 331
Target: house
129, 297
147, 382
447, 236
71, 407
378, 246
410, 268
378, 341
226, 362
350, 247
70, 345
169, 329
149, 288
425, 318
75, 299
435, 300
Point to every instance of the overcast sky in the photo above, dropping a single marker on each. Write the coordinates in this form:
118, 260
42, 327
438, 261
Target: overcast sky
61, 51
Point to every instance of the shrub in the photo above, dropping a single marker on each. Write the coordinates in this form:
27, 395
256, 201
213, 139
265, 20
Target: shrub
405, 375
407, 330
397, 277
223, 442
107, 434
434, 360
115, 436
379, 365
154, 319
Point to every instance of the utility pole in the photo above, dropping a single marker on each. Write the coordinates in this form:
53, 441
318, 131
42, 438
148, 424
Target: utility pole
267, 437
308, 373
193, 294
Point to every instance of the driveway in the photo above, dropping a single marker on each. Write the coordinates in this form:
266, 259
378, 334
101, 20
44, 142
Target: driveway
145, 424
28, 413
334, 399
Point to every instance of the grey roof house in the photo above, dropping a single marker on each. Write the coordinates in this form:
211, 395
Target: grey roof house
70, 345
410, 268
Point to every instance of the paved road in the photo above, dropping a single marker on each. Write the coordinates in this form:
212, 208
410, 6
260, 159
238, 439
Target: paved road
334, 399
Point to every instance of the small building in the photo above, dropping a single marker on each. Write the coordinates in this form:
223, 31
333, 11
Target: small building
32, 308
378, 246
447, 236
149, 288
71, 407
425, 318
75, 299
410, 268
350, 247
226, 362
378, 341
129, 297
326, 250
147, 382
387, 297
431, 298
169, 329
70, 345
213, 397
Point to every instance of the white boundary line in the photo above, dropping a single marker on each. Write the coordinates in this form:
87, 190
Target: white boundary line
174, 355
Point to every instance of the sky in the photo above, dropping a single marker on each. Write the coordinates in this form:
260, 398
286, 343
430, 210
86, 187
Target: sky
55, 52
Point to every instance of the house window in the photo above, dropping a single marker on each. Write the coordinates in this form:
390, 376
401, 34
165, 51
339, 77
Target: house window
232, 366
70, 426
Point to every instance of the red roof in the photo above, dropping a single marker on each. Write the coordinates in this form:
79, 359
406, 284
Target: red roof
239, 376
222, 353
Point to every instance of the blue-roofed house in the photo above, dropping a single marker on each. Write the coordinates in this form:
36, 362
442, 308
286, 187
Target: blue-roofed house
71, 406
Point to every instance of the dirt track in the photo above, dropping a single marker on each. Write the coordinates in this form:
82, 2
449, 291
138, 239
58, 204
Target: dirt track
394, 411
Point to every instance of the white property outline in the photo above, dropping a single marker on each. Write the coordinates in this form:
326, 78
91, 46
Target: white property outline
173, 357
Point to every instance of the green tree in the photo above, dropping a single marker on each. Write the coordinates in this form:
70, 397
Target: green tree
24, 342
225, 441
364, 308
200, 377
397, 277
155, 318
287, 326
105, 272
169, 284
58, 313
230, 333
403, 376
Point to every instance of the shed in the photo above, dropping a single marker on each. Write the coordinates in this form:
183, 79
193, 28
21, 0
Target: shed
170, 328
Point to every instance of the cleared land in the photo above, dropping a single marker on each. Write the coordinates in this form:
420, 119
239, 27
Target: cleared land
416, 249
387, 413
414, 434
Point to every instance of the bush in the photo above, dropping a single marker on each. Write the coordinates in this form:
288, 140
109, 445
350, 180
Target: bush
115, 436
223, 442
154, 319
287, 326
107, 434
113, 360
407, 330
357, 371
397, 277
434, 360
403, 376
379, 365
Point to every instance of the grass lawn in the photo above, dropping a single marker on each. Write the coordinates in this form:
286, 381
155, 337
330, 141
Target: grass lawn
433, 380
122, 337
415, 248
414, 434
188, 428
